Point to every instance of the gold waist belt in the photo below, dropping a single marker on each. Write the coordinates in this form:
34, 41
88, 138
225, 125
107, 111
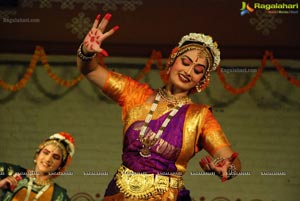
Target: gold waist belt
144, 186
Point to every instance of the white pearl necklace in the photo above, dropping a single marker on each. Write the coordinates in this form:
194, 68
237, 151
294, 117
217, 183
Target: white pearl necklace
147, 143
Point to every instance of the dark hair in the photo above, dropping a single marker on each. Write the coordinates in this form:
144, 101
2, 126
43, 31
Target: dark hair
66, 146
199, 43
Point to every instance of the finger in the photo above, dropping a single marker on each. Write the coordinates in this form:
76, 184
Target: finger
104, 22
110, 32
15, 182
210, 163
224, 170
115, 28
208, 158
11, 181
224, 175
203, 164
17, 176
224, 179
104, 52
96, 48
8, 182
96, 22
221, 163
233, 156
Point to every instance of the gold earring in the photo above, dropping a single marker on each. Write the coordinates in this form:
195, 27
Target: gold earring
199, 87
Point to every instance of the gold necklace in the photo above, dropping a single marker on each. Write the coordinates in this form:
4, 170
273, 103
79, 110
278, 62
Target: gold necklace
147, 142
173, 100
40, 193
41, 182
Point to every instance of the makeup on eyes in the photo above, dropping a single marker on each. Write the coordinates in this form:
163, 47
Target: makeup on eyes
54, 155
198, 67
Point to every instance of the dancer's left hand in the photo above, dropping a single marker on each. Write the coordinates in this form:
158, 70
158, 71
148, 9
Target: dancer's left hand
219, 166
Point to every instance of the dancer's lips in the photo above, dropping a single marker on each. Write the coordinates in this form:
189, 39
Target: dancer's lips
184, 78
45, 164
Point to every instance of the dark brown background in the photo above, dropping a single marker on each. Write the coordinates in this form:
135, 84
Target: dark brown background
155, 24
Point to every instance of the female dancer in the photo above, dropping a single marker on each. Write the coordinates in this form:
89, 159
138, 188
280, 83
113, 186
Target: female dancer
163, 128
51, 159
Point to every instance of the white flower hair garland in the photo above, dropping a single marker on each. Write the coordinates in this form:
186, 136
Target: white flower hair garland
207, 41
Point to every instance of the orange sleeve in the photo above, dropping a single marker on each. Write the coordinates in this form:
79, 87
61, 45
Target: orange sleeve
126, 91
212, 138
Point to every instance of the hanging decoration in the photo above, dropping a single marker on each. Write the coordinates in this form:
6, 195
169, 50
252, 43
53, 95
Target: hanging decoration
39, 54
155, 56
251, 84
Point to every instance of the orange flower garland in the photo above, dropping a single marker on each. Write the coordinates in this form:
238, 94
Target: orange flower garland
251, 84
155, 56
283, 72
23, 81
39, 54
58, 80
258, 74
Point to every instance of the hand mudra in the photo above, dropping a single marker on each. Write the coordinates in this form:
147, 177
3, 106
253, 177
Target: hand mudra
93, 40
220, 166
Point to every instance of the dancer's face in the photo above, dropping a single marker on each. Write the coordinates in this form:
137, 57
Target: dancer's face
187, 70
48, 159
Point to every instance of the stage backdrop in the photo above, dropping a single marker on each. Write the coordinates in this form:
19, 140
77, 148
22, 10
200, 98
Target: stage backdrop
262, 124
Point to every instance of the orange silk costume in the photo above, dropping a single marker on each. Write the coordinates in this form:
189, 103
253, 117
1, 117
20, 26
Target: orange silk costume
200, 128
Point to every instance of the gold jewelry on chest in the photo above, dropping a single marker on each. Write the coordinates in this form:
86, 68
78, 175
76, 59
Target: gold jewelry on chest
147, 143
33, 182
173, 100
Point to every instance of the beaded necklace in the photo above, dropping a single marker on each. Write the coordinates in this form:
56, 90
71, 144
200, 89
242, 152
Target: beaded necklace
147, 142
39, 194
173, 100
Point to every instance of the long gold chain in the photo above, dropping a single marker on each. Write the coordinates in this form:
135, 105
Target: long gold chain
147, 142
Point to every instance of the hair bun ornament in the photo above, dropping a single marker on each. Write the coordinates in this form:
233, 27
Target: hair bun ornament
206, 41
67, 138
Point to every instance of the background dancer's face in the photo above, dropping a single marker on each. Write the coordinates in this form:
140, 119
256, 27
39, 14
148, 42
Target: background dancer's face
48, 159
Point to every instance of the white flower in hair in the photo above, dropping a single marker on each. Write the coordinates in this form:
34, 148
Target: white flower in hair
207, 41
64, 137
